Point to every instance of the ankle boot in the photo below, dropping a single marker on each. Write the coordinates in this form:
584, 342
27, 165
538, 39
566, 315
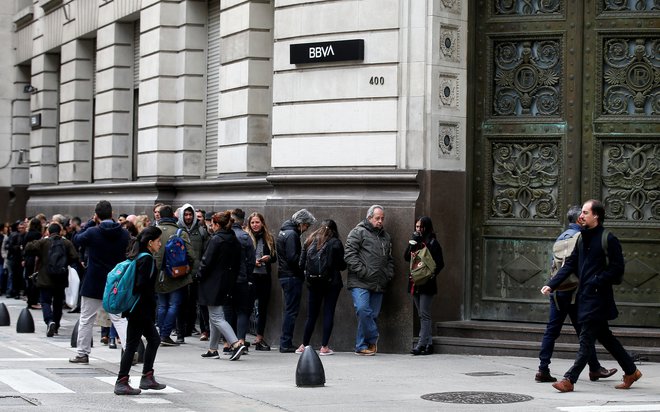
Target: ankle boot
428, 350
112, 343
148, 382
123, 388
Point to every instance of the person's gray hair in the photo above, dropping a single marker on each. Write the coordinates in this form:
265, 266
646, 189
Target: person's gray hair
372, 210
573, 213
303, 216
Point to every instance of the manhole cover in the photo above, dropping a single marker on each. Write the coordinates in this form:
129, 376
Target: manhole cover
68, 372
13, 400
488, 374
476, 397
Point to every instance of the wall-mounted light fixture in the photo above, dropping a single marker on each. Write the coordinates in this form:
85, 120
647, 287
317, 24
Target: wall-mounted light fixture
28, 88
23, 156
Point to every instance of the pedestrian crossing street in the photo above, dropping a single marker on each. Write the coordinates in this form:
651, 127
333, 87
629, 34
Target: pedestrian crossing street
27, 381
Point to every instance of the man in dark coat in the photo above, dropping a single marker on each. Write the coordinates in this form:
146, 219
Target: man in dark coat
597, 270
106, 243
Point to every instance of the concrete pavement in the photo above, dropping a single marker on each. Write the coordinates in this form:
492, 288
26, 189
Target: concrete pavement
266, 380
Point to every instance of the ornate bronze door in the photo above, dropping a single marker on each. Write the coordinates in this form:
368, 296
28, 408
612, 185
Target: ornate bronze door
567, 108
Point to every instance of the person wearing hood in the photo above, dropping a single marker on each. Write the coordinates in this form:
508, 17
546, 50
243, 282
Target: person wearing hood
290, 274
171, 290
187, 317
105, 242
368, 257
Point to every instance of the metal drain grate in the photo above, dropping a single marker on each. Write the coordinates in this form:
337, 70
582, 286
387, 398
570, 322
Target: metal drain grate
489, 374
14, 400
72, 372
476, 397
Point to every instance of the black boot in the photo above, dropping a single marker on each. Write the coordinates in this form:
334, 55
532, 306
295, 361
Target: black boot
123, 388
148, 382
428, 350
112, 343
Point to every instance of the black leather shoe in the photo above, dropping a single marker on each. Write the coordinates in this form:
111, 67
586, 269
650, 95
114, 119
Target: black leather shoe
602, 373
544, 376
416, 351
428, 350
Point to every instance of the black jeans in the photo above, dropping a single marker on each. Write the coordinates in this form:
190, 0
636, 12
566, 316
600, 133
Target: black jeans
238, 311
553, 329
51, 304
328, 297
600, 330
138, 327
262, 288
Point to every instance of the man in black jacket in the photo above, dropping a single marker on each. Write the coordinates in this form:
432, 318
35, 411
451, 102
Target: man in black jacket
597, 270
289, 272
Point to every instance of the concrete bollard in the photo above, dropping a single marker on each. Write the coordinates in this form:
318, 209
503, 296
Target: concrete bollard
4, 315
309, 371
74, 335
25, 323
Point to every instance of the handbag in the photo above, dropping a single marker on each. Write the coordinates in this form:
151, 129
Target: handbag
422, 266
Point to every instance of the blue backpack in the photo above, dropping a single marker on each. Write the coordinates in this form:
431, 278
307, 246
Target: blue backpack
118, 296
176, 258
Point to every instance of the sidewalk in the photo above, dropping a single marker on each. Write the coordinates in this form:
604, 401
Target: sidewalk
385, 382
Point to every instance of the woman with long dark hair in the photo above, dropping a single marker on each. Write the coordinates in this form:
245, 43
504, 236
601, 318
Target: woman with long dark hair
323, 291
217, 275
264, 246
424, 235
142, 319
34, 232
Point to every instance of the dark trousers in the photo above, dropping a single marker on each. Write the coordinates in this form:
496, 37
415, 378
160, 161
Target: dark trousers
553, 329
203, 312
292, 288
262, 290
237, 312
599, 330
138, 327
51, 304
328, 297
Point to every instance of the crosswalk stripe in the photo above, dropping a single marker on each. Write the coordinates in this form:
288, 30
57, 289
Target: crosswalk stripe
611, 408
27, 381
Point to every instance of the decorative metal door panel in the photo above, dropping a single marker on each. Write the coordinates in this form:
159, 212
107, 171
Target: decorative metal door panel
567, 108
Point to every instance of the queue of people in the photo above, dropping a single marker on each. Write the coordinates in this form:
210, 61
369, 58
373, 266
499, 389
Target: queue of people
229, 262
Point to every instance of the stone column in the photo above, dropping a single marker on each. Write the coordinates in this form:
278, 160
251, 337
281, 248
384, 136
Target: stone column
171, 101
114, 100
246, 73
20, 139
76, 111
43, 104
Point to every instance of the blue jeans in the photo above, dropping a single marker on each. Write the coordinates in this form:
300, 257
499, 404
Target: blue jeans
292, 288
51, 304
553, 329
367, 308
169, 305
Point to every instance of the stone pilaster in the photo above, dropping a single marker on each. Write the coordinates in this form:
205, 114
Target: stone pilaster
44, 103
114, 102
76, 111
171, 101
20, 128
246, 72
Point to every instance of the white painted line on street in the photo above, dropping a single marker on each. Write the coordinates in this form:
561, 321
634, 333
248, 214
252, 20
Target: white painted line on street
22, 352
611, 408
149, 400
27, 381
32, 359
135, 382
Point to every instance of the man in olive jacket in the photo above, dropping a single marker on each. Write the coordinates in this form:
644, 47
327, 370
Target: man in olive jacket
370, 264
171, 291
51, 291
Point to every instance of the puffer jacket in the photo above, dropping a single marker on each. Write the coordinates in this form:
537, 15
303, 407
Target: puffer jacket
288, 251
368, 258
164, 283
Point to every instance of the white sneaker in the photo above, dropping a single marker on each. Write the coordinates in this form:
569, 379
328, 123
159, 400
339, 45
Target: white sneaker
300, 349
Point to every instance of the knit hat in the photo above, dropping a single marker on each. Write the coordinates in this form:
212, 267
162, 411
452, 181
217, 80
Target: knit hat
303, 216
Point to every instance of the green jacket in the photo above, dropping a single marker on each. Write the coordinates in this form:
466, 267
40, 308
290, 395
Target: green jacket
368, 256
164, 283
40, 249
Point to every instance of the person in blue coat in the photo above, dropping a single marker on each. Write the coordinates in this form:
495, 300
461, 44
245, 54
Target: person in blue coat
597, 270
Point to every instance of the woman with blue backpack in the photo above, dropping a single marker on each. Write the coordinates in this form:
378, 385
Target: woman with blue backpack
141, 318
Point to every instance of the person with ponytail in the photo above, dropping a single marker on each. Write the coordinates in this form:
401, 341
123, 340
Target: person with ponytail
326, 293
142, 319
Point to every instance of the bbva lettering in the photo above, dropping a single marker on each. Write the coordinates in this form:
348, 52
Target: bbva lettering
316, 52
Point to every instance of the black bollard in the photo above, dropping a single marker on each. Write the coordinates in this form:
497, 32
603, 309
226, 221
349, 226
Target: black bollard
309, 371
74, 335
25, 323
4, 315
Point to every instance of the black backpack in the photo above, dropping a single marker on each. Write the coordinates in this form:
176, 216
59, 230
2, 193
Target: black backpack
57, 259
317, 265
